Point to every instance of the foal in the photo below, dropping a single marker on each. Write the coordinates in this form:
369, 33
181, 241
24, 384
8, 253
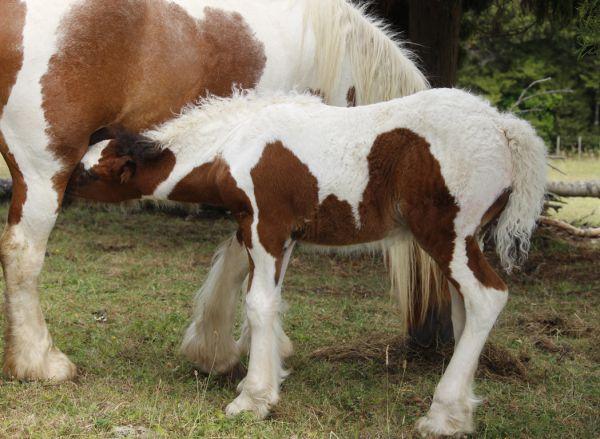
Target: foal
439, 166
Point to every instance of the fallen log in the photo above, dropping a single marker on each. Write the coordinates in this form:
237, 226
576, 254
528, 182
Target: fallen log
575, 188
591, 232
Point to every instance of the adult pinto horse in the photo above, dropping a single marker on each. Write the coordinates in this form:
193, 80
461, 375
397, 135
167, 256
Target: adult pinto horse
71, 67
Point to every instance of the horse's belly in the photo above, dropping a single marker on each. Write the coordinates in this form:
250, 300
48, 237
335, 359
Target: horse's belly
139, 63
335, 224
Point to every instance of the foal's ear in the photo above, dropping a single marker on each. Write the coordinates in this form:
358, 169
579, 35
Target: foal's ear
139, 148
114, 168
127, 170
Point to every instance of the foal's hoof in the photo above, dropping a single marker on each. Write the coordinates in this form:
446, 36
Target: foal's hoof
446, 421
53, 366
245, 403
208, 354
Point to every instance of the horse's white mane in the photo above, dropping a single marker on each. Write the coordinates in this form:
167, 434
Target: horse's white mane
382, 68
208, 115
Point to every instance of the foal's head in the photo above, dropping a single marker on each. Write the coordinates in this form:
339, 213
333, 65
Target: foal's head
126, 167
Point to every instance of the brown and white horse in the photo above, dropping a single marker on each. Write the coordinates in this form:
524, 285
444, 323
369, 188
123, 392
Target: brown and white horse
440, 166
71, 67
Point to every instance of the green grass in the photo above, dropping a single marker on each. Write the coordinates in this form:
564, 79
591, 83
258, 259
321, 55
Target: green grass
142, 269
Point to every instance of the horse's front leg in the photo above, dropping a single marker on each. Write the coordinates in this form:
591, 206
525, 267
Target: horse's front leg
286, 347
208, 340
29, 353
259, 391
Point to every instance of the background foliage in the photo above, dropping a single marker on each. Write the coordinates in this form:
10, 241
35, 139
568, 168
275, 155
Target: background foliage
506, 46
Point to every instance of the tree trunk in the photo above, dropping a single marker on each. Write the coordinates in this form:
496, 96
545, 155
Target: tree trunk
575, 188
434, 25
432, 29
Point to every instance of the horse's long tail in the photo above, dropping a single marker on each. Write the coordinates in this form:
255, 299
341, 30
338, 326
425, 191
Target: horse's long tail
416, 281
516, 223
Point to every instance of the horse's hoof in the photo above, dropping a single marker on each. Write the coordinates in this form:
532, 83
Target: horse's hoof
245, 403
54, 366
211, 356
455, 420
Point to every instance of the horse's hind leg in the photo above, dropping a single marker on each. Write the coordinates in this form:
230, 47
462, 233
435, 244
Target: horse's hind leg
208, 341
484, 296
458, 312
446, 230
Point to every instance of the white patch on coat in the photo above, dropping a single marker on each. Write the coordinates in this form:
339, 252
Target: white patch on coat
23, 121
93, 155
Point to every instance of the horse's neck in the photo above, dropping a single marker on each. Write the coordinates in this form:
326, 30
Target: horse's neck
197, 138
357, 51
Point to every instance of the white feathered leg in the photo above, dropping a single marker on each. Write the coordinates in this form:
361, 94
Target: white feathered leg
259, 391
208, 341
285, 344
453, 402
458, 313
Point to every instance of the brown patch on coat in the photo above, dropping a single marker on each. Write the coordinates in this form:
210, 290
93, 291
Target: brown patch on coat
481, 268
351, 97
333, 224
137, 63
495, 209
200, 185
476, 261
425, 203
286, 194
12, 22
212, 183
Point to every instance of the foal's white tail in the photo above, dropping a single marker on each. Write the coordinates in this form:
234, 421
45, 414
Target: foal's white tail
516, 223
416, 281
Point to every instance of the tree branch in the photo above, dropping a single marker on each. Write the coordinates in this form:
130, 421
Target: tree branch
592, 232
547, 92
524, 92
